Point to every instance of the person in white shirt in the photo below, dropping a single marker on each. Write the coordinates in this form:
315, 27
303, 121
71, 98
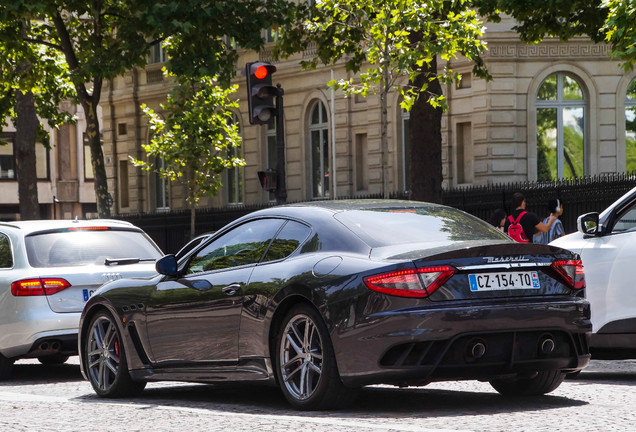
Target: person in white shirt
555, 207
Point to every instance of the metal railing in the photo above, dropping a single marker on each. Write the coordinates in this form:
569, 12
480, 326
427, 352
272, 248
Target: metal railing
171, 230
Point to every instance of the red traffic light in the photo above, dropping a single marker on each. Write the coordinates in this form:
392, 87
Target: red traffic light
260, 92
260, 72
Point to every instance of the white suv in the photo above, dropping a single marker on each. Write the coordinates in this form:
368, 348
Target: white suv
48, 269
607, 245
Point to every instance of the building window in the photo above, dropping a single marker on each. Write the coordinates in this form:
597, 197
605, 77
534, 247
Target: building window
319, 150
124, 196
560, 128
162, 187
7, 159
630, 127
362, 164
234, 174
271, 34
88, 164
157, 54
272, 154
464, 153
406, 150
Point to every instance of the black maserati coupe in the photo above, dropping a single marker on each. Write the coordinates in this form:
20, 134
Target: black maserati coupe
326, 297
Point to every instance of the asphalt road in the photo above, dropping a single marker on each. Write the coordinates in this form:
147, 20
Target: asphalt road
39, 398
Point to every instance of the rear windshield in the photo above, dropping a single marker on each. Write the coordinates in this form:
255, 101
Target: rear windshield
77, 248
435, 224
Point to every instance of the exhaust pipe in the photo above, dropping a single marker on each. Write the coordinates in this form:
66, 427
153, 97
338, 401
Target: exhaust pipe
476, 349
50, 346
546, 345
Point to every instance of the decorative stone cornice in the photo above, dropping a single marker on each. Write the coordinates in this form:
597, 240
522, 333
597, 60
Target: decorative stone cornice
547, 50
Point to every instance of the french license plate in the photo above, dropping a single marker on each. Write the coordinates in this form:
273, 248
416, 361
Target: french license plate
504, 281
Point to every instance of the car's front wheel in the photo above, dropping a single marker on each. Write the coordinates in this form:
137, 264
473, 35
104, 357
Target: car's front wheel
306, 365
543, 382
105, 359
6, 365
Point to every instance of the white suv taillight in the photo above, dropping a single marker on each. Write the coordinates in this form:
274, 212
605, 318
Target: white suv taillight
38, 286
419, 282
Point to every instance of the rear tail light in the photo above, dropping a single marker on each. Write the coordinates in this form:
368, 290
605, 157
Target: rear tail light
420, 282
572, 273
38, 286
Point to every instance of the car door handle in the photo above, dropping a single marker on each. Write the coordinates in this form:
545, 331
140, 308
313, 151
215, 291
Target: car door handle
231, 289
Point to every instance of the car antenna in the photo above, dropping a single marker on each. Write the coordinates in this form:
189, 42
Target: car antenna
76, 220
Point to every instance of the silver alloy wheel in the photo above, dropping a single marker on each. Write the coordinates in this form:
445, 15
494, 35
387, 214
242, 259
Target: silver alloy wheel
301, 353
103, 353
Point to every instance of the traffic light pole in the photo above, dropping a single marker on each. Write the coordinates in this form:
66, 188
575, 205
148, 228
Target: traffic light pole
281, 188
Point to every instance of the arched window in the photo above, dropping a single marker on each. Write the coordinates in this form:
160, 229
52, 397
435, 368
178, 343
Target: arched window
560, 128
319, 151
630, 127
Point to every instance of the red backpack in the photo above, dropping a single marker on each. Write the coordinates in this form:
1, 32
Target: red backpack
515, 230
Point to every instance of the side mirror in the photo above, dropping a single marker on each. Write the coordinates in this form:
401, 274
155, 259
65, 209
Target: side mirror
167, 265
588, 223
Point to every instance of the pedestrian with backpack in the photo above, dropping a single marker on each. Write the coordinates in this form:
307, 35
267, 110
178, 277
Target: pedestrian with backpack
521, 225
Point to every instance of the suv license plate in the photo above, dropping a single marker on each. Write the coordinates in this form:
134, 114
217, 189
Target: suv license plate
504, 281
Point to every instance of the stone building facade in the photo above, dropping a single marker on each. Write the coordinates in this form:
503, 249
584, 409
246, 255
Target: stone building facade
552, 110
65, 176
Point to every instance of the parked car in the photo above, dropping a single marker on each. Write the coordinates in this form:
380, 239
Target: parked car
326, 297
49, 269
607, 246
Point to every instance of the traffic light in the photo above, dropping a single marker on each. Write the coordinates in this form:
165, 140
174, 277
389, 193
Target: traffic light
268, 179
260, 92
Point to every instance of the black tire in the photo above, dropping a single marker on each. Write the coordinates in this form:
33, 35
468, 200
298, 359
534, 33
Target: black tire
53, 359
6, 366
306, 365
105, 359
544, 382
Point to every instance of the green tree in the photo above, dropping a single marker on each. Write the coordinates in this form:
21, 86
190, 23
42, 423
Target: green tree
537, 19
194, 140
102, 39
620, 30
34, 81
394, 46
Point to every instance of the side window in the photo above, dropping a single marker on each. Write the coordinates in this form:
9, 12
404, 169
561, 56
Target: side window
6, 256
626, 221
290, 237
243, 245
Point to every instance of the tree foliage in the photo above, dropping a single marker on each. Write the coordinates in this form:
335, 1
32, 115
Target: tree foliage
536, 19
620, 28
102, 39
391, 45
194, 137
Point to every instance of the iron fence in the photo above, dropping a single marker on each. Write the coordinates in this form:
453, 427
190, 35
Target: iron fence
171, 230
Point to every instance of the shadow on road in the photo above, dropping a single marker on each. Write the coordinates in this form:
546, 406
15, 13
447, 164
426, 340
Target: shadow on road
373, 402
37, 374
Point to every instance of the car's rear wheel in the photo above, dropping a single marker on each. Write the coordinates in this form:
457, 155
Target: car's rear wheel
105, 359
306, 365
542, 383
53, 359
6, 365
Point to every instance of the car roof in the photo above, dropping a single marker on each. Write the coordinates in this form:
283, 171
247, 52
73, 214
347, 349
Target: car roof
361, 204
31, 226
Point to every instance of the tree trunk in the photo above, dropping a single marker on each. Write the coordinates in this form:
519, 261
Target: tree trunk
97, 158
426, 142
26, 131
